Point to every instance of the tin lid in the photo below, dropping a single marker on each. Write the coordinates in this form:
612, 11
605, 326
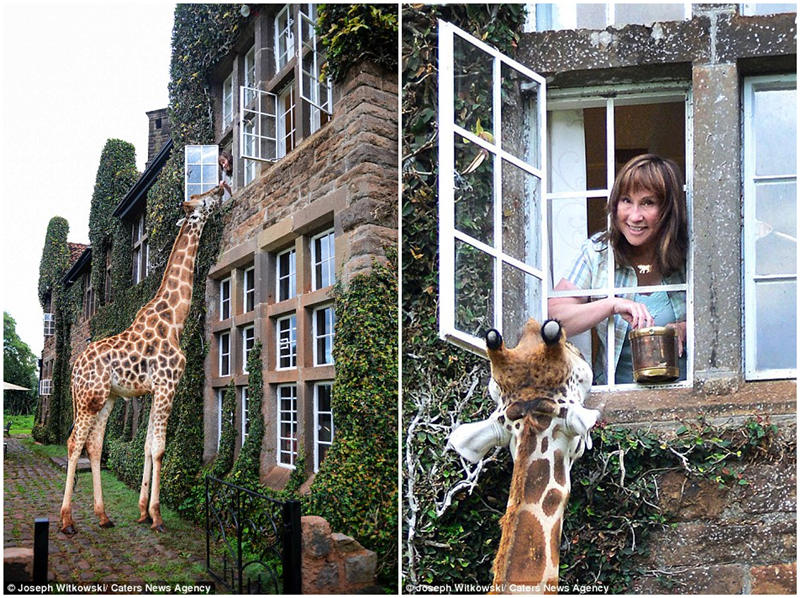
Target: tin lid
652, 331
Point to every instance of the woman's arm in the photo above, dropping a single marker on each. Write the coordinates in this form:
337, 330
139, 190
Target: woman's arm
578, 314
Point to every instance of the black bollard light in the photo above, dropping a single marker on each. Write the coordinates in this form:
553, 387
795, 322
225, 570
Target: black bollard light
41, 538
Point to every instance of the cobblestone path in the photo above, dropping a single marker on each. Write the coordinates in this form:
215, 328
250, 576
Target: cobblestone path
128, 553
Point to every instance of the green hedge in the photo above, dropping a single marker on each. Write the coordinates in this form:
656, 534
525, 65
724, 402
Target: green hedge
356, 486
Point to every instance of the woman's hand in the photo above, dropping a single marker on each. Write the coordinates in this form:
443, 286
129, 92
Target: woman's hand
636, 314
680, 333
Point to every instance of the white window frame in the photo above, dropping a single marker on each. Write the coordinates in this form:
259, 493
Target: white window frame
289, 344
224, 354
626, 95
258, 123
286, 108
227, 102
141, 249
49, 324
317, 414
753, 85
245, 419
45, 387
289, 417
326, 263
318, 94
248, 338
225, 299
327, 335
202, 160
290, 276
249, 283
284, 30
448, 234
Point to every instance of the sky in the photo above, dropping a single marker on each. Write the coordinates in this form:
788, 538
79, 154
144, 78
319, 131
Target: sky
73, 76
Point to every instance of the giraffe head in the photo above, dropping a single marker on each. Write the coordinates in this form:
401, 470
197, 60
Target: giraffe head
544, 377
199, 207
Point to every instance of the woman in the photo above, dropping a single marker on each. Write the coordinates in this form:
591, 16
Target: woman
226, 167
649, 235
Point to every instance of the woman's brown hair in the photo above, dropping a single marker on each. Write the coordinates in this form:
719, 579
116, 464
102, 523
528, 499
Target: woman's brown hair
662, 177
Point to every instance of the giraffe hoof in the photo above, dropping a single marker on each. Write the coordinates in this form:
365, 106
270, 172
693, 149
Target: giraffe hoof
69, 530
159, 528
107, 524
144, 519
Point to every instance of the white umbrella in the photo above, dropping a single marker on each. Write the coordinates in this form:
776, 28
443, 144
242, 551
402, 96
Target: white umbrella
9, 386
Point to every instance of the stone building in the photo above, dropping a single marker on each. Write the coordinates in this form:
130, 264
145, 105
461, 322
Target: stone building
711, 86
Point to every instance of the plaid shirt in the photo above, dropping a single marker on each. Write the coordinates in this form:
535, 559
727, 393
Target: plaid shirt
590, 271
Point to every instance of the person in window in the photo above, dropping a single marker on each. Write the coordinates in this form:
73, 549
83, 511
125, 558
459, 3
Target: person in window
649, 236
226, 168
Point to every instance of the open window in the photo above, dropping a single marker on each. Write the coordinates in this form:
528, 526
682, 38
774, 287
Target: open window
523, 184
313, 88
491, 178
201, 169
258, 128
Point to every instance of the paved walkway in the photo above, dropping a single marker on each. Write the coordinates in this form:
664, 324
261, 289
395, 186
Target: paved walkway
129, 553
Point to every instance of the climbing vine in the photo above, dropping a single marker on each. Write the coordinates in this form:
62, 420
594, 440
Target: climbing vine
352, 33
55, 258
356, 486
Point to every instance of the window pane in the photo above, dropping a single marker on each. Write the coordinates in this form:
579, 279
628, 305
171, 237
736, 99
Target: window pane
287, 342
474, 310
519, 95
775, 130
473, 87
473, 186
645, 14
776, 321
776, 228
521, 215
572, 221
522, 299
591, 16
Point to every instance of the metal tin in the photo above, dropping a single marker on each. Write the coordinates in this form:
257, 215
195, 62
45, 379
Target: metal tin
655, 354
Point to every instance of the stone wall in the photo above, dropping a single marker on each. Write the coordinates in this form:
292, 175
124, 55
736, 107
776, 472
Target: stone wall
350, 162
334, 563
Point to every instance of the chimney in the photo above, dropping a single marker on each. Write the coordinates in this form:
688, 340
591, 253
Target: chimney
158, 132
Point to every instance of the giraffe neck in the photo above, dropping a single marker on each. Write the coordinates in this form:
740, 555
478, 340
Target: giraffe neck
173, 298
527, 559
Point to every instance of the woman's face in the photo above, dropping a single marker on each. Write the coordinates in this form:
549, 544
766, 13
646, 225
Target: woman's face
223, 161
638, 213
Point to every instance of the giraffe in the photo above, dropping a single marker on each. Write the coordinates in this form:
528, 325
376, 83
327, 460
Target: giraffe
144, 358
540, 387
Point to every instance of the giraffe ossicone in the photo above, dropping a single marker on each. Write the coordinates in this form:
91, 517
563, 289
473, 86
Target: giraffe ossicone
145, 358
540, 387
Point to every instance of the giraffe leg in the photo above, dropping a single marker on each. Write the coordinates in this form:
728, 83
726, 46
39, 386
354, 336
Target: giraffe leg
162, 405
83, 423
146, 473
94, 447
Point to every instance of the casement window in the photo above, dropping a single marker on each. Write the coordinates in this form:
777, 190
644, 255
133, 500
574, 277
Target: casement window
287, 342
245, 415
322, 260
287, 425
225, 354
225, 299
770, 227
108, 289
88, 299
258, 128
249, 279
314, 90
248, 340
45, 387
141, 250
227, 102
49, 324
323, 323
286, 128
570, 15
284, 37
323, 421
201, 169
286, 272
522, 199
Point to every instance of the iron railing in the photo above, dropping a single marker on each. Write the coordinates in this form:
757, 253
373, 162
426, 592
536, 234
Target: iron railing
252, 540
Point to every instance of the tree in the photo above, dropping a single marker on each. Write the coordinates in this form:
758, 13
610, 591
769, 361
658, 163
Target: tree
19, 367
